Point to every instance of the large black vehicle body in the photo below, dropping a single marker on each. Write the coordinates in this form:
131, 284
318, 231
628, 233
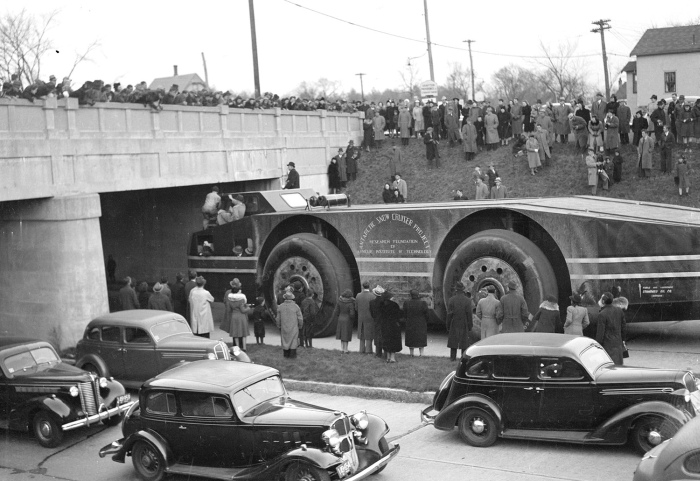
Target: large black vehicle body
557, 246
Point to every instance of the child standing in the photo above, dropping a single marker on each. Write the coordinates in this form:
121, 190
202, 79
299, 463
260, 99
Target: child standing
309, 310
259, 315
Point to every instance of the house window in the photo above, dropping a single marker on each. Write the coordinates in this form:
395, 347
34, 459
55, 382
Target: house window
670, 81
634, 82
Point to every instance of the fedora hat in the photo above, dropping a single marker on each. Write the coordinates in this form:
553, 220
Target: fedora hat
235, 283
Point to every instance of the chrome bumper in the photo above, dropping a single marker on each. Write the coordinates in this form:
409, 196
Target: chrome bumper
428, 415
112, 448
369, 470
102, 415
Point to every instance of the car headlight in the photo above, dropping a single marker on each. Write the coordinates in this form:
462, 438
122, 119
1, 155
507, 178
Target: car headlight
103, 382
360, 420
211, 355
74, 391
331, 438
235, 350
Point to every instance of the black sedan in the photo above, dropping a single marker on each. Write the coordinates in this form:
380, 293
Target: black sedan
555, 387
236, 421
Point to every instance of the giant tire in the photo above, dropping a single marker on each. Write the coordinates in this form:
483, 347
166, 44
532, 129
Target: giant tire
496, 257
316, 262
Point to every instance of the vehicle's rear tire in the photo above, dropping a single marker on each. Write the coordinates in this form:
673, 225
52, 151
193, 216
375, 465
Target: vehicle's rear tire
477, 427
148, 462
496, 257
383, 447
317, 264
46, 430
650, 431
305, 472
92, 369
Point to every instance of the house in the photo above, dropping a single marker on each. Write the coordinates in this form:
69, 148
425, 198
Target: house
630, 69
188, 82
668, 61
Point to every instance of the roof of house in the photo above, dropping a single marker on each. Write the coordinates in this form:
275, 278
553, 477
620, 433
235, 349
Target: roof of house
630, 66
621, 91
181, 80
660, 41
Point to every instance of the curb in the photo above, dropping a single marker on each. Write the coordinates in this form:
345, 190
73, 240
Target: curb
333, 389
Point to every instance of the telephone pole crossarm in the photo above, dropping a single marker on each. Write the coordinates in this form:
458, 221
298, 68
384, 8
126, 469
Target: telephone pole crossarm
603, 25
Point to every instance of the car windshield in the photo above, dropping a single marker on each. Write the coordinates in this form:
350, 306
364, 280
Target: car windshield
257, 393
594, 356
29, 362
169, 328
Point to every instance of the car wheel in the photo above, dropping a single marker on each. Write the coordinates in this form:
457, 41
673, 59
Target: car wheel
306, 472
148, 462
316, 263
383, 448
46, 430
92, 369
477, 428
650, 431
114, 420
497, 257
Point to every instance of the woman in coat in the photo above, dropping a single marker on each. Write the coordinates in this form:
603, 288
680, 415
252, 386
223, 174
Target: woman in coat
592, 165
391, 315
345, 310
595, 138
526, 111
611, 328
639, 124
334, 184
624, 115
576, 317
416, 314
431, 152
617, 166
646, 145
404, 125
543, 140
417, 113
469, 140
504, 121
533, 157
491, 128
378, 124
547, 318
236, 312
682, 174
685, 118
289, 321
368, 127
612, 132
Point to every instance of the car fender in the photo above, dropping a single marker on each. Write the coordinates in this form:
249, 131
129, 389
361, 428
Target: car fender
61, 411
615, 429
447, 417
149, 436
368, 449
316, 457
96, 360
441, 394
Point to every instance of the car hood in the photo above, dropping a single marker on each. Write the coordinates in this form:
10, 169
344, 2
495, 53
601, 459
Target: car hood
288, 412
187, 341
630, 374
61, 372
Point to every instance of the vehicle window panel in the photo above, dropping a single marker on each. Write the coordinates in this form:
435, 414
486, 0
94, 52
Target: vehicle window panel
692, 463
94, 334
19, 362
257, 393
170, 328
294, 200
594, 356
111, 334
512, 367
161, 403
204, 405
44, 355
135, 335
479, 368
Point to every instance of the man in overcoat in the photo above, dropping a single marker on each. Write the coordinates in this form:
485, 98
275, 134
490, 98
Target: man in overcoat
644, 150
561, 119
624, 114
611, 139
580, 128
599, 107
289, 321
292, 177
365, 322
611, 329
514, 310
490, 311
459, 321
374, 305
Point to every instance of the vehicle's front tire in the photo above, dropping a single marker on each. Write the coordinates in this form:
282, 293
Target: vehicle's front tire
91, 368
46, 430
305, 472
650, 431
113, 421
477, 427
316, 263
148, 462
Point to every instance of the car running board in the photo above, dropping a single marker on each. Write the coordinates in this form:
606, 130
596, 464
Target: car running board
565, 436
209, 472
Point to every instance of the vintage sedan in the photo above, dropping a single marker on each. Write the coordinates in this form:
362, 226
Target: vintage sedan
41, 393
677, 459
136, 345
555, 387
226, 421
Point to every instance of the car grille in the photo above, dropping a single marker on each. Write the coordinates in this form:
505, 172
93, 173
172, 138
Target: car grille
89, 396
342, 425
221, 351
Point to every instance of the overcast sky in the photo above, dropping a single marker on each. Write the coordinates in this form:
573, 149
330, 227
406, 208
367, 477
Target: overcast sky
142, 40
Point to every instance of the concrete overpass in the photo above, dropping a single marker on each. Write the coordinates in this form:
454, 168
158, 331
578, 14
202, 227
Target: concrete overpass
76, 182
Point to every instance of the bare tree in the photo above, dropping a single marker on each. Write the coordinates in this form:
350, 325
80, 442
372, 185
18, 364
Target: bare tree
327, 88
23, 42
307, 90
84, 56
410, 78
562, 73
459, 81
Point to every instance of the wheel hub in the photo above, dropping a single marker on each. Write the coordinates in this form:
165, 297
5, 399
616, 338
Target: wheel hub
478, 426
45, 429
654, 437
298, 269
489, 271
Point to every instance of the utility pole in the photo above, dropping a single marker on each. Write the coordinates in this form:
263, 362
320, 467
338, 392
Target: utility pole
471, 65
602, 27
427, 35
256, 71
362, 87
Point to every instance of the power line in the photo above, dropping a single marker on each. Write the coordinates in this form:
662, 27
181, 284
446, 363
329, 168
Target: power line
441, 45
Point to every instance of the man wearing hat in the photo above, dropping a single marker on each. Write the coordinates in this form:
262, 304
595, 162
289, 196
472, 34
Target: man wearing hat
658, 120
374, 305
459, 321
292, 177
490, 311
499, 191
561, 120
127, 296
289, 321
365, 322
158, 300
201, 319
599, 107
352, 154
515, 310
611, 331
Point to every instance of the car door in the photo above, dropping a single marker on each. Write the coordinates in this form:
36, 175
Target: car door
518, 395
565, 395
139, 354
204, 431
111, 350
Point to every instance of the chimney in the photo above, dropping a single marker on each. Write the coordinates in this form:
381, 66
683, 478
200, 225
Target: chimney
175, 70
